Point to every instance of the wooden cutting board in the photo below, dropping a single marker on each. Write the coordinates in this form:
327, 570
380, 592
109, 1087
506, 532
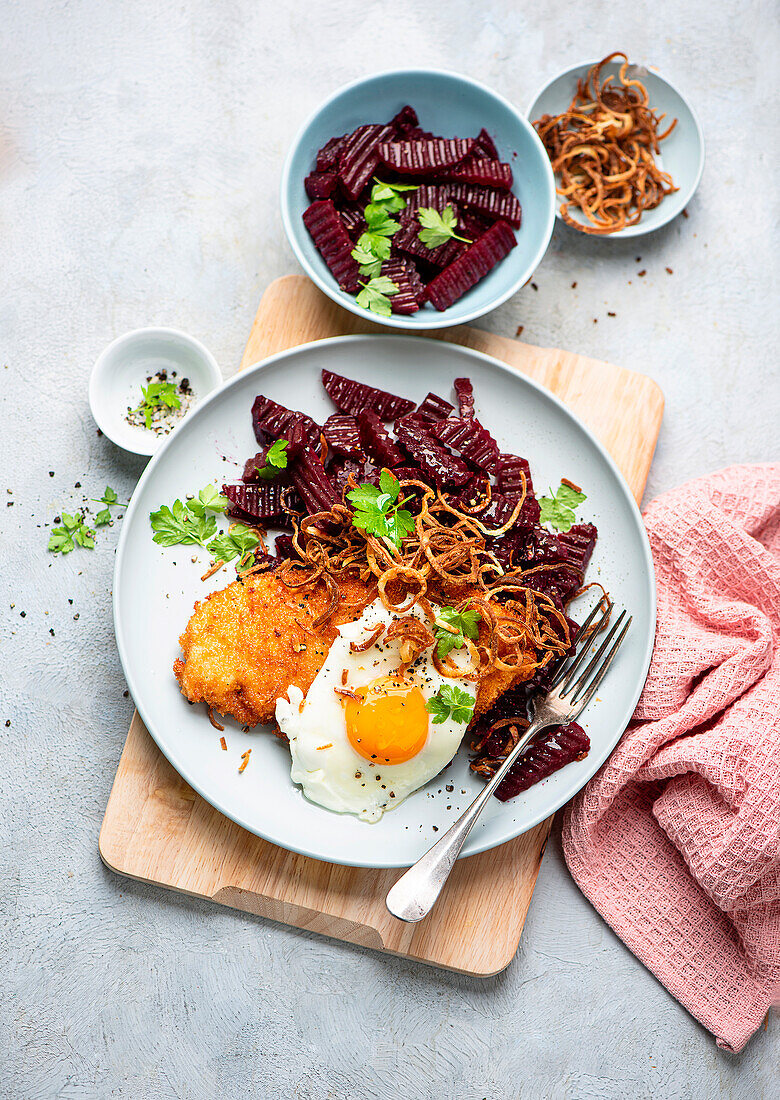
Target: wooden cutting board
158, 830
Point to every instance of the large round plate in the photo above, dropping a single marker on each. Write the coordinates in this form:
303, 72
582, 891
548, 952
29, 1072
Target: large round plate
155, 589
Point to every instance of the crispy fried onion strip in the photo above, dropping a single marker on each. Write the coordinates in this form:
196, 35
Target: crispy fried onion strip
603, 149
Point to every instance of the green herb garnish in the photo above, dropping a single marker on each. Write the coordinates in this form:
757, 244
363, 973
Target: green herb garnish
209, 499
378, 511
191, 522
438, 228
72, 532
450, 702
465, 624
235, 543
558, 508
376, 294
390, 195
157, 394
275, 460
110, 500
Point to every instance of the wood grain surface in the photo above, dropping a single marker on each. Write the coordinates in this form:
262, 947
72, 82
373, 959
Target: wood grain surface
158, 830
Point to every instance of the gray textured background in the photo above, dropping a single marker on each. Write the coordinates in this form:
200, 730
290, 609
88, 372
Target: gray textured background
140, 150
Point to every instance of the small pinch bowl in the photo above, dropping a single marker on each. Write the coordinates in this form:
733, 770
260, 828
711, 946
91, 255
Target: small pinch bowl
447, 104
124, 366
682, 153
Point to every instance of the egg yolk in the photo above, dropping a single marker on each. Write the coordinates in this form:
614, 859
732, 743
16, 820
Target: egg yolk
389, 723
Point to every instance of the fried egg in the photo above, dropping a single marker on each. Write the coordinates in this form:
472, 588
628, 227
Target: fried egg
365, 752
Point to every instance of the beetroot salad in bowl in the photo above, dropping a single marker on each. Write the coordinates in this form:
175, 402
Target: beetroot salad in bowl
418, 199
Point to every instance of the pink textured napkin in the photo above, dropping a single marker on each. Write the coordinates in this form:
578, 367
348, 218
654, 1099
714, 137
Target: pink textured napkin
676, 840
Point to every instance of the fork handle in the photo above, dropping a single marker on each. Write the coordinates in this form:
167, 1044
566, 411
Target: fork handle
413, 895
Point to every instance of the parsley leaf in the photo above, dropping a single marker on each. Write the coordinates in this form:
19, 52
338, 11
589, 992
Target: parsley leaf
157, 394
558, 508
369, 264
450, 702
376, 294
209, 499
378, 510
466, 624
233, 543
379, 221
373, 244
179, 525
72, 532
275, 460
390, 195
110, 499
438, 228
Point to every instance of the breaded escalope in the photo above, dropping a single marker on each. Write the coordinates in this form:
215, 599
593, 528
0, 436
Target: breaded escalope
246, 644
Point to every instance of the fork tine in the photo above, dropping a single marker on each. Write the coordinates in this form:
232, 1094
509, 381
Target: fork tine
602, 670
572, 686
566, 673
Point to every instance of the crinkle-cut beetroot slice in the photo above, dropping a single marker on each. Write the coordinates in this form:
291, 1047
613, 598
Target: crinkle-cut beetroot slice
360, 156
420, 156
432, 408
465, 394
427, 195
473, 225
257, 503
353, 218
342, 435
328, 155
482, 172
376, 441
250, 475
313, 485
499, 511
578, 544
353, 397
438, 465
340, 470
473, 265
485, 145
320, 185
510, 481
488, 201
550, 752
334, 244
272, 421
411, 289
405, 120
470, 440
407, 240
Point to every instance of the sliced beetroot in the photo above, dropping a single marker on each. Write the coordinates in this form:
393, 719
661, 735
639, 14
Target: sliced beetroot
360, 156
284, 547
411, 290
473, 225
432, 408
342, 435
550, 752
376, 441
485, 145
429, 196
407, 240
320, 185
489, 201
418, 157
478, 259
255, 503
333, 243
510, 481
405, 120
312, 484
258, 462
354, 397
465, 394
467, 438
481, 172
437, 465
340, 470
328, 156
499, 511
352, 216
578, 544
272, 421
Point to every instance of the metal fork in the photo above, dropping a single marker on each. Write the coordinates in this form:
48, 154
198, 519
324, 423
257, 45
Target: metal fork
572, 688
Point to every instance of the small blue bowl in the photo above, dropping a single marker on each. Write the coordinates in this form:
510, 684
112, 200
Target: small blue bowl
453, 106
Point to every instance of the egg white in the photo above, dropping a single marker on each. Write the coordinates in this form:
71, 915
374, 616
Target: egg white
336, 776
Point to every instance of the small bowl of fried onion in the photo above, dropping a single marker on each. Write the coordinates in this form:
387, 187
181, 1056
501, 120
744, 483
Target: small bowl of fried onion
626, 147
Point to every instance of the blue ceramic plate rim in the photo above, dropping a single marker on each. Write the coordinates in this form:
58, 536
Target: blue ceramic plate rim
425, 321
318, 849
639, 229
